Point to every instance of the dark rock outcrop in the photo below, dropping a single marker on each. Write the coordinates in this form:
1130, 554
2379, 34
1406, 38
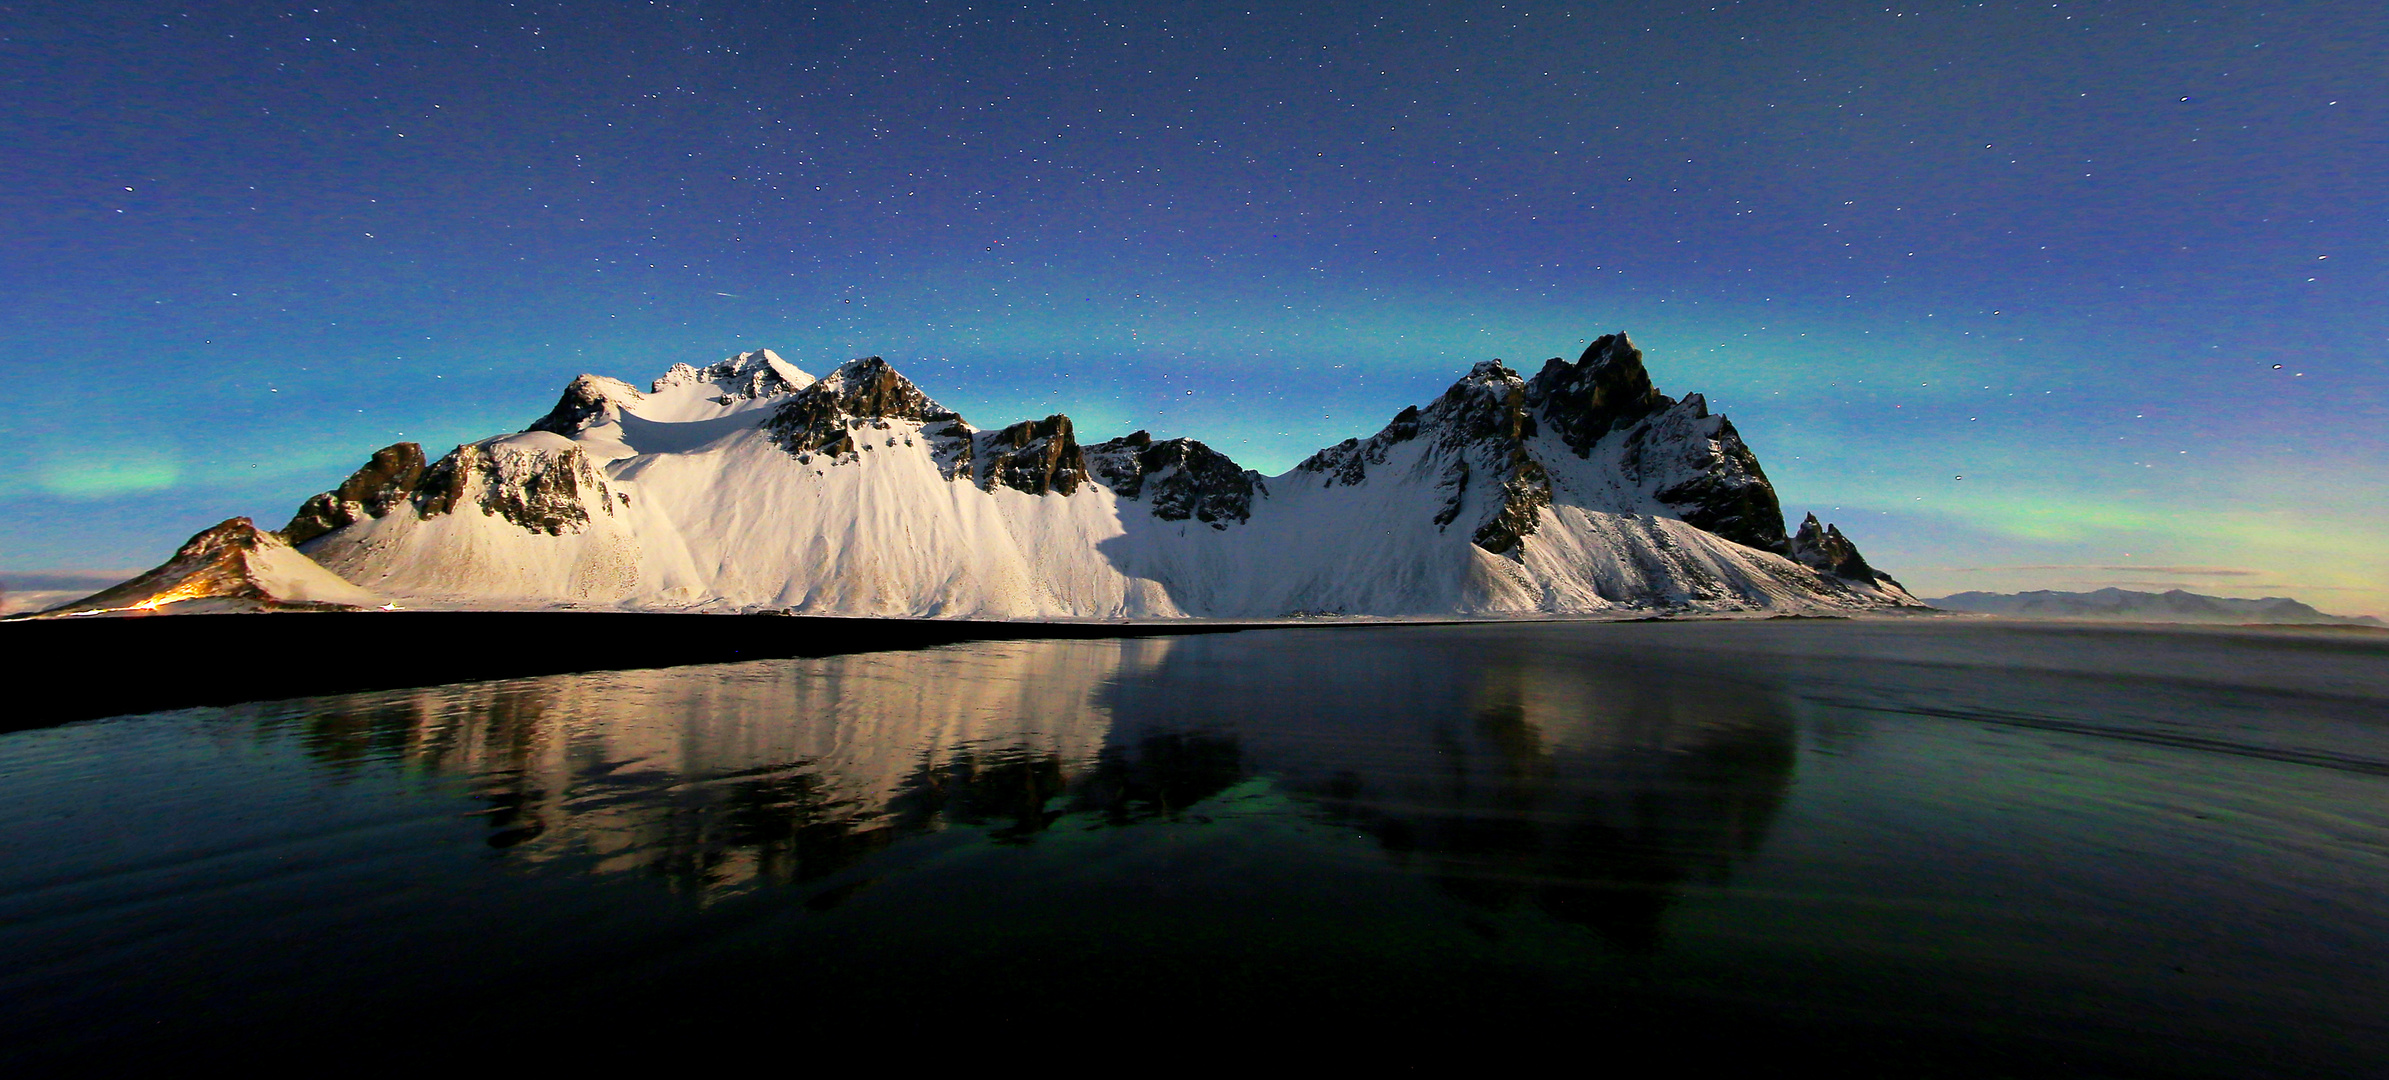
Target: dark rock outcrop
1490, 402
540, 490
1453, 487
1178, 478
587, 401
1707, 475
1119, 464
544, 490
387, 480
824, 418
1524, 494
1605, 389
1483, 423
1824, 548
1035, 456
1698, 463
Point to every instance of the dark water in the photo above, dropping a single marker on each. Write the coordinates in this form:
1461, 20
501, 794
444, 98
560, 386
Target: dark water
1913, 847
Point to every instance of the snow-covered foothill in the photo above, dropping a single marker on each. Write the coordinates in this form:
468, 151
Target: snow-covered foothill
749, 484
232, 566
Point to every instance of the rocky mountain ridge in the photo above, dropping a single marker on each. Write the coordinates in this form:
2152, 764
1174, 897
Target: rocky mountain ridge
749, 483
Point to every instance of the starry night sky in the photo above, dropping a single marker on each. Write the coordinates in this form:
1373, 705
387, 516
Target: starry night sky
2120, 266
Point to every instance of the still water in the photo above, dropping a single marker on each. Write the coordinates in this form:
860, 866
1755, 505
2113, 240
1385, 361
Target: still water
1947, 847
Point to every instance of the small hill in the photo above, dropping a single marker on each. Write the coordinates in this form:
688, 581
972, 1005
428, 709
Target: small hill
233, 566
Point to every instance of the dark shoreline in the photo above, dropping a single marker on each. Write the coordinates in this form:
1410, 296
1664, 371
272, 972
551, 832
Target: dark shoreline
114, 666
125, 665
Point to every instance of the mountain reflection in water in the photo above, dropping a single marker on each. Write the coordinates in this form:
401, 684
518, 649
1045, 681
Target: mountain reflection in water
1939, 848
1587, 788
1586, 785
719, 778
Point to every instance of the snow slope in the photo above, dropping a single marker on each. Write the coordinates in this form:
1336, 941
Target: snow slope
749, 484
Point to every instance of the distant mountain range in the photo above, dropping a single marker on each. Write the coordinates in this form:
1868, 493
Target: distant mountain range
35, 591
750, 485
2124, 605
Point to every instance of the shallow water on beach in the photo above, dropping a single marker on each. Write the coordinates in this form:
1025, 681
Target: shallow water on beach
1950, 846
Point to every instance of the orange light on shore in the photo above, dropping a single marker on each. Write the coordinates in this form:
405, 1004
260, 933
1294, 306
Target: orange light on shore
174, 595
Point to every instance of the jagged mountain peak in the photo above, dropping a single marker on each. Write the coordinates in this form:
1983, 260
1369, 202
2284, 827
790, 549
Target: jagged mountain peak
588, 400
868, 392
1489, 371
1488, 402
870, 386
1605, 389
683, 392
1614, 351
1474, 435
759, 372
1483, 437
1823, 547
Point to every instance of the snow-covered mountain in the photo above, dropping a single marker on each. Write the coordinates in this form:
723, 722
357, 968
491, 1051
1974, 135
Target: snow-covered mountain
2126, 605
750, 484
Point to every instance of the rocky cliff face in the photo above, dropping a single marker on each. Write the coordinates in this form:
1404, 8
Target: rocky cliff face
1823, 547
1177, 478
1476, 437
540, 482
1605, 389
858, 408
1701, 469
538, 486
1479, 440
1035, 456
386, 481
1697, 463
